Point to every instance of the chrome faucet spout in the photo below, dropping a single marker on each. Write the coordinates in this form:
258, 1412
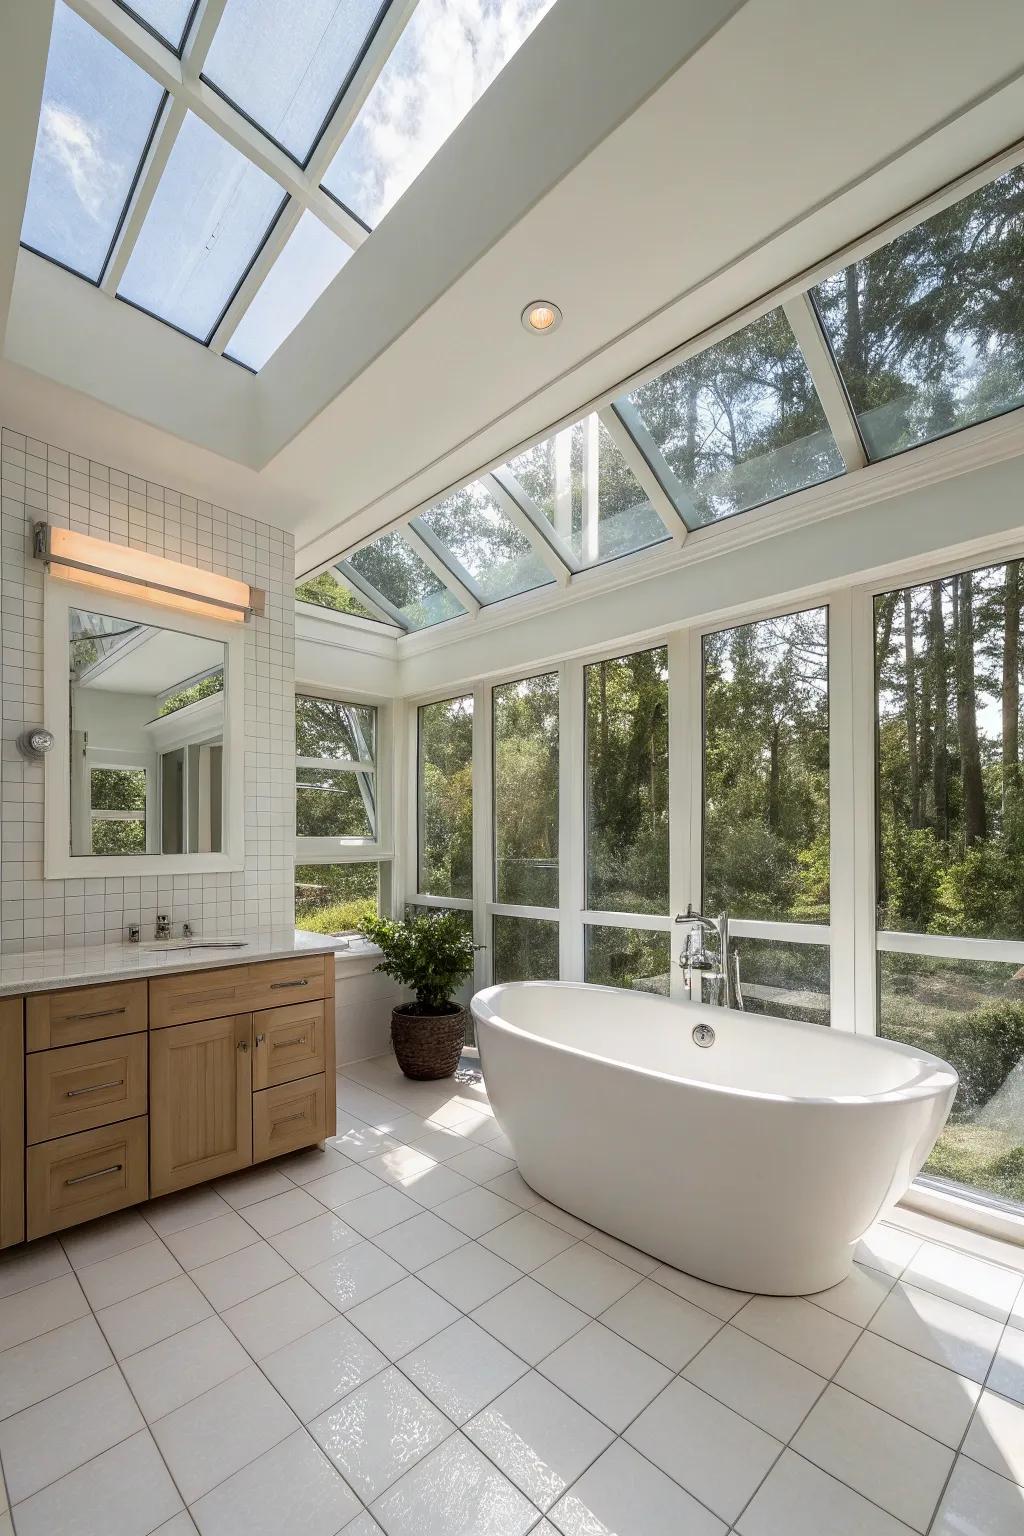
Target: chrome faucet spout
724, 978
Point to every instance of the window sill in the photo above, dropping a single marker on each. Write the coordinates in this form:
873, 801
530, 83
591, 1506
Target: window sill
352, 956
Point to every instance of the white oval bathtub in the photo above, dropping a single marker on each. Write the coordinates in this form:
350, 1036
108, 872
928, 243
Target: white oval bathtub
756, 1163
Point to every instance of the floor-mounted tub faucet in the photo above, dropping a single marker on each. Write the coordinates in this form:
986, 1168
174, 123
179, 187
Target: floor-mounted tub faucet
724, 978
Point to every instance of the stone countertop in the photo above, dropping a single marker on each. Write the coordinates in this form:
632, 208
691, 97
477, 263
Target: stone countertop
49, 969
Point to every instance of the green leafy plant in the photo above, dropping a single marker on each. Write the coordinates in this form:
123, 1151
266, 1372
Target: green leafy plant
430, 953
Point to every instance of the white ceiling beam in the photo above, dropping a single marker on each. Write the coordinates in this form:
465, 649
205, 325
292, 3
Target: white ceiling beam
826, 378
542, 547
254, 278
200, 37
441, 570
157, 156
648, 480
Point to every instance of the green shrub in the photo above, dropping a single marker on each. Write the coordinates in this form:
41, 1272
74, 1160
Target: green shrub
431, 953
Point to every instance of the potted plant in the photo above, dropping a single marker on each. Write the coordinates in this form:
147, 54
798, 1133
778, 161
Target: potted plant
432, 954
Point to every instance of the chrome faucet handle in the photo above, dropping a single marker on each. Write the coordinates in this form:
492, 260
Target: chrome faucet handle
134, 933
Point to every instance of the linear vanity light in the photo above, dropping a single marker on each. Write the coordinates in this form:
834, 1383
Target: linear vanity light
93, 562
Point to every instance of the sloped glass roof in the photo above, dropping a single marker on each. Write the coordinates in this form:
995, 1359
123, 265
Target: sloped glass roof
403, 584
482, 545
358, 94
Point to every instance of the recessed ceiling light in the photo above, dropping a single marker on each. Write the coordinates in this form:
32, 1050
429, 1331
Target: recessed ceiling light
541, 316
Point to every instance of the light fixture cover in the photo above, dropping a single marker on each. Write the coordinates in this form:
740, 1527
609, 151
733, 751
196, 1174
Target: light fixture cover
77, 557
541, 316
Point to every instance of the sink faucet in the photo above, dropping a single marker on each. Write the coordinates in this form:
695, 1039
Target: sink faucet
724, 978
163, 926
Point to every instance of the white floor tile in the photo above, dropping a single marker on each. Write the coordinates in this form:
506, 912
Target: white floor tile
476, 1212
559, 1218
709, 1450
935, 1401
101, 1239
588, 1278
716, 1299
996, 1437
314, 1241
608, 1376
380, 1210
400, 1165
526, 1241
887, 1248
436, 1142
124, 1492
178, 1525
280, 1212
43, 1442
1007, 1374
798, 1499
201, 1244
153, 1315
26, 1314
469, 1276
666, 1326
462, 1369
293, 1487
31, 1264
337, 1189
176, 1370
214, 1435
252, 1184
362, 1525
539, 1438
770, 1389
978, 1503
277, 1317
354, 1275
968, 1281
126, 1274
421, 1240
858, 1297
806, 1333
379, 1431
625, 1495
403, 1316
480, 1164
512, 1186
455, 1491
633, 1258
240, 1275
176, 1212
437, 1184
956, 1337
39, 1367
878, 1456
531, 1320
314, 1163
359, 1142
314, 1372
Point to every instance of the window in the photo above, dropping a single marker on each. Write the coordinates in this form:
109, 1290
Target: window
470, 531
335, 767
326, 591
526, 792
788, 981
928, 332
445, 783
735, 426
406, 587
637, 958
336, 898
766, 769
312, 258
525, 948
951, 853
201, 688
168, 19
627, 783
117, 810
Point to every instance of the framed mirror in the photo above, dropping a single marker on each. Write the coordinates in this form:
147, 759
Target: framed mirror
147, 768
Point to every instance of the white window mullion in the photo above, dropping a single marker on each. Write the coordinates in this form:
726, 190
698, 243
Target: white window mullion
681, 788
842, 813
644, 472
284, 227
483, 845
441, 570
542, 547
865, 849
571, 820
157, 155
827, 381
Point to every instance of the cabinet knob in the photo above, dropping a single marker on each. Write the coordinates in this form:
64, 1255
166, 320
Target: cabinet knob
243, 1045
260, 1039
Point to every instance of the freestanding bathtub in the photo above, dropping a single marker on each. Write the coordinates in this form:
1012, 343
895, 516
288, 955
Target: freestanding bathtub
756, 1162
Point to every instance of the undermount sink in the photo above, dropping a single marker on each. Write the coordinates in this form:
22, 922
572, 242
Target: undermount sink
160, 945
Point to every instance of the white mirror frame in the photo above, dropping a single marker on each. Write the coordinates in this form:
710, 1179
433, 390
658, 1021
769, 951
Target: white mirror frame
59, 597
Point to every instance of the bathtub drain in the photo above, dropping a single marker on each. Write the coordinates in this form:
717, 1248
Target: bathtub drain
703, 1035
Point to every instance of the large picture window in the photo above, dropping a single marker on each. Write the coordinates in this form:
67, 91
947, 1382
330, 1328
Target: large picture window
526, 791
445, 785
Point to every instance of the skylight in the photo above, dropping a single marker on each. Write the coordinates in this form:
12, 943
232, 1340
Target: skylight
482, 545
407, 587
168, 19
313, 256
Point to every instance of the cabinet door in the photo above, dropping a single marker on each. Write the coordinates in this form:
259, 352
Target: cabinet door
12, 1122
200, 1101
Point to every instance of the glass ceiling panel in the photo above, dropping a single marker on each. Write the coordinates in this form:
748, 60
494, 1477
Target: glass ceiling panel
169, 19
737, 425
208, 219
497, 556
445, 59
313, 256
327, 592
929, 331
284, 65
579, 481
97, 113
395, 570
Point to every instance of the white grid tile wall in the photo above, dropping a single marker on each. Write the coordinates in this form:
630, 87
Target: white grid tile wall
40, 481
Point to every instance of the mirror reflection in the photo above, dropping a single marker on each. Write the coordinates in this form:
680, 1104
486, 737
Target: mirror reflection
147, 731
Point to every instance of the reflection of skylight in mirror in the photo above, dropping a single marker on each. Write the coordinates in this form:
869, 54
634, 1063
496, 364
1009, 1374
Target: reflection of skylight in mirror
312, 257
168, 18
284, 65
207, 221
499, 560
445, 59
97, 113
408, 587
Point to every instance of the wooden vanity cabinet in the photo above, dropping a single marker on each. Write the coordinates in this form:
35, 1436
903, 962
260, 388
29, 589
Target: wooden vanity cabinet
12, 1121
200, 1094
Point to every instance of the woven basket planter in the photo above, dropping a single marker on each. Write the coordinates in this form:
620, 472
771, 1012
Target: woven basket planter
428, 1045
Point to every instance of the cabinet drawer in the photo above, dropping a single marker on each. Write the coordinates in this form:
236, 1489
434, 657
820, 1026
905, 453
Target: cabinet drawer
84, 1013
235, 989
288, 1117
288, 1043
78, 1177
81, 1086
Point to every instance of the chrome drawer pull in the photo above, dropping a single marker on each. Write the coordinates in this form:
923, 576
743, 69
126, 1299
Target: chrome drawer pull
275, 986
101, 1173
102, 1013
287, 1119
243, 1045
75, 1093
279, 1045
260, 1039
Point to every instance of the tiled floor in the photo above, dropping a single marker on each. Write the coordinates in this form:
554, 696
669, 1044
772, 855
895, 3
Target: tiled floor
398, 1335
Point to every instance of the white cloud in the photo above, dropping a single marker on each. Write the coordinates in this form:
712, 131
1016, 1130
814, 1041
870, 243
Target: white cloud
71, 143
